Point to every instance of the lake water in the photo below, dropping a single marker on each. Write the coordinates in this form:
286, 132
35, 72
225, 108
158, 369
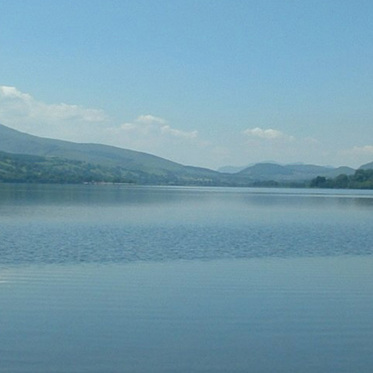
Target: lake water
109, 278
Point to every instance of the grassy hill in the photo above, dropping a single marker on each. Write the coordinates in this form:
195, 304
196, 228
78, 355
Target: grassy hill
16, 142
136, 166
20, 168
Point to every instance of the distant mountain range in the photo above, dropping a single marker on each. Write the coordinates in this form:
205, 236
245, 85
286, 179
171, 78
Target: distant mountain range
26, 157
272, 171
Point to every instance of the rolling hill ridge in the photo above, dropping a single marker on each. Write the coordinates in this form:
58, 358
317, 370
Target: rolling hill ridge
24, 157
135, 166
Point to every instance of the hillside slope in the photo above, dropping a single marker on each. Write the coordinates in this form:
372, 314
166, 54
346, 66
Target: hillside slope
367, 166
140, 167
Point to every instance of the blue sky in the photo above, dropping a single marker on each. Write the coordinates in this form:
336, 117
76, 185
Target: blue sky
206, 83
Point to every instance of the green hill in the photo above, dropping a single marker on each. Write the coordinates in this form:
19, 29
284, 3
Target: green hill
131, 165
21, 168
16, 142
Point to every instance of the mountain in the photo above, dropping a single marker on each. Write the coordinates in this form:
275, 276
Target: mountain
294, 172
237, 169
136, 166
12, 141
25, 157
367, 166
231, 169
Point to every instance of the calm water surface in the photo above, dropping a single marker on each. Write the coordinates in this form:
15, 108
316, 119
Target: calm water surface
156, 279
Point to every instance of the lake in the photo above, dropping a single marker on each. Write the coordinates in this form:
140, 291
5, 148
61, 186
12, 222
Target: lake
116, 278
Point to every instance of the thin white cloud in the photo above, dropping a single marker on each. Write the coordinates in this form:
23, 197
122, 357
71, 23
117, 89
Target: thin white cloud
12, 100
7, 92
166, 129
149, 125
267, 134
150, 119
362, 150
23, 112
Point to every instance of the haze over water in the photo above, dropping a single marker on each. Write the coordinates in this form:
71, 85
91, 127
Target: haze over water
158, 279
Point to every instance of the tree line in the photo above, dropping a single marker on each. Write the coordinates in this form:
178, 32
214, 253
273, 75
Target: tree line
361, 179
18, 168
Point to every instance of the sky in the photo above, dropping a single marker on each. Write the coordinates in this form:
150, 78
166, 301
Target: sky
207, 83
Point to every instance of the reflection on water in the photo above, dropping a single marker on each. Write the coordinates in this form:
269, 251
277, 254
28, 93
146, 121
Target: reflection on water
74, 224
155, 279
